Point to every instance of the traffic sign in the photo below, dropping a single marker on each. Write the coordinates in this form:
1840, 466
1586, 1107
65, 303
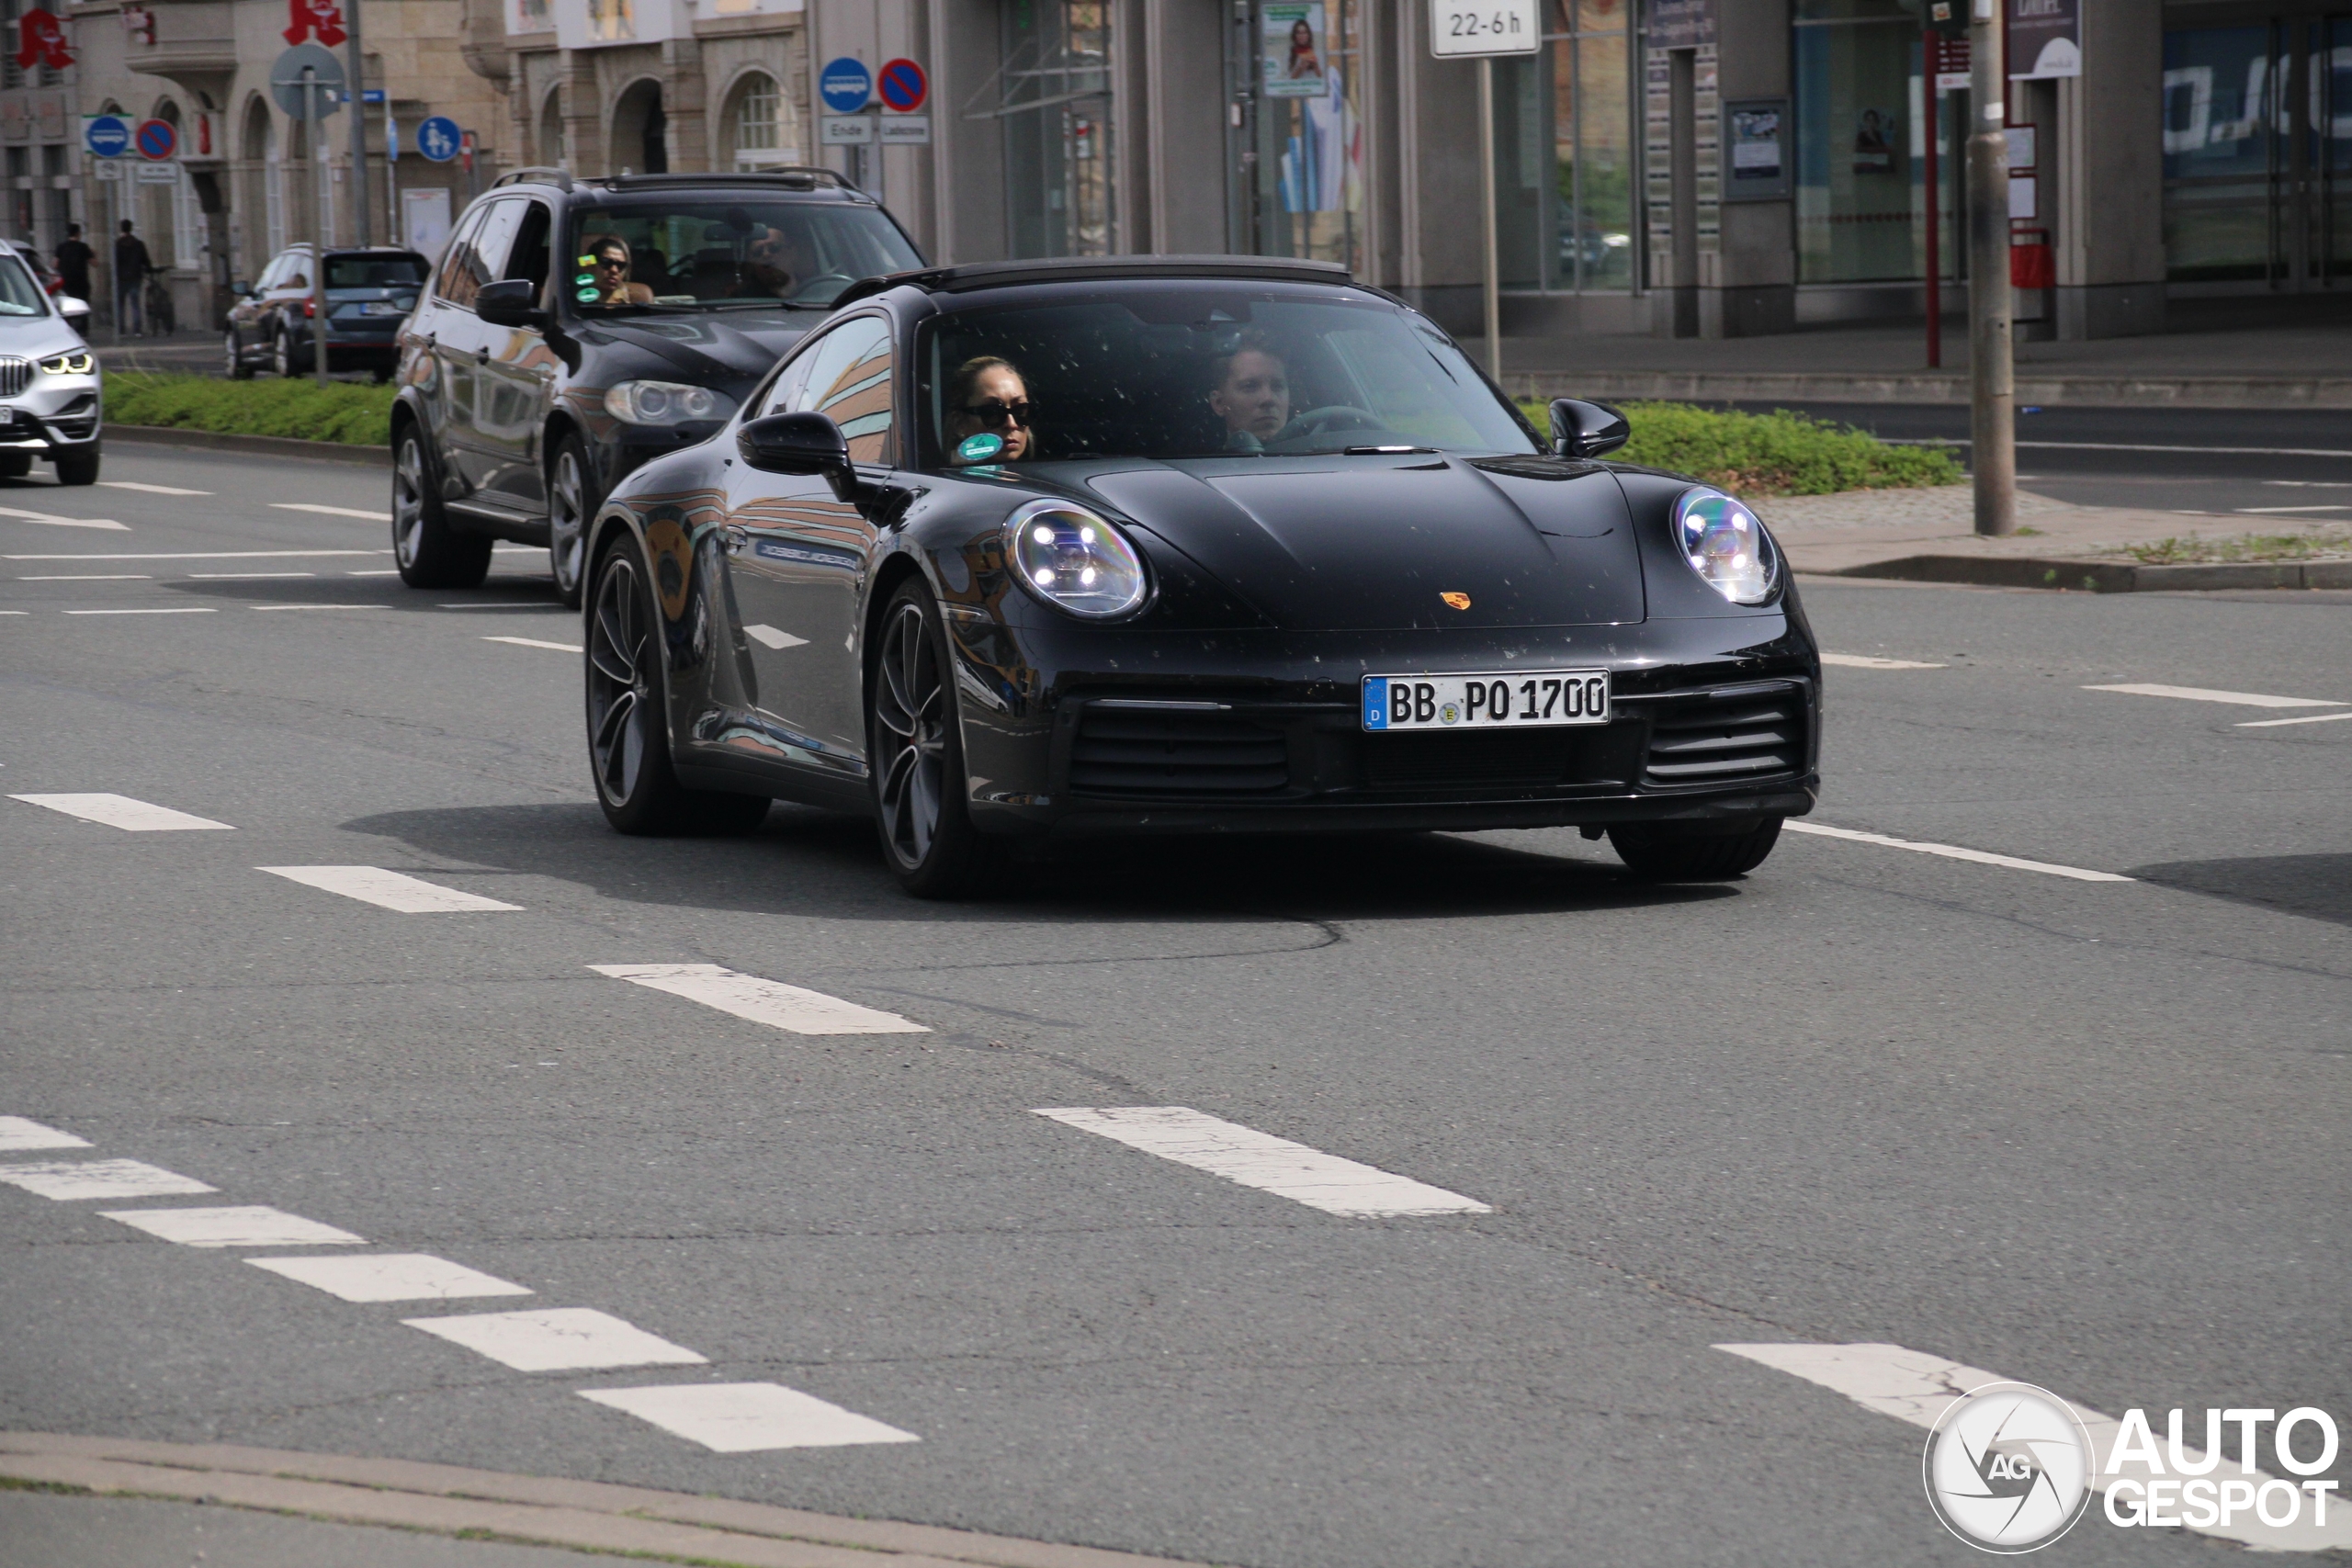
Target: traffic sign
106, 136
903, 86
847, 85
905, 130
322, 88
156, 140
439, 138
155, 174
1463, 30
846, 129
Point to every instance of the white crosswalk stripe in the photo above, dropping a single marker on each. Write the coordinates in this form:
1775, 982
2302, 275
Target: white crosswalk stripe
2202, 694
390, 1277
747, 1417
121, 811
1262, 1160
22, 1132
1868, 661
99, 1179
386, 889
250, 1225
762, 1001
559, 1339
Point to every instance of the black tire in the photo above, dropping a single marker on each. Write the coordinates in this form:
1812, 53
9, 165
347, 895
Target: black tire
627, 711
916, 750
381, 374
77, 468
1693, 851
428, 549
15, 465
288, 357
232, 357
571, 507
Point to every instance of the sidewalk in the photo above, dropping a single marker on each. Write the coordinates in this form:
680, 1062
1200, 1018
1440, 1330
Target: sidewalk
1929, 536
2261, 353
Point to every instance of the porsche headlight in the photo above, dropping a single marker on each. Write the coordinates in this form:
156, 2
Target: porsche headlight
81, 362
1076, 560
1727, 546
665, 402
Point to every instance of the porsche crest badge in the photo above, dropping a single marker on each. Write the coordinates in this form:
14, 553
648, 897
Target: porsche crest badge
1454, 601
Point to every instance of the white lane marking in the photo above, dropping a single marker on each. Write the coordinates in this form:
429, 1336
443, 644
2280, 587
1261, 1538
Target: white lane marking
89, 577
376, 571
331, 511
775, 638
386, 889
15, 612
559, 1341
2275, 722
321, 606
390, 1277
2201, 694
207, 555
251, 1225
174, 612
23, 1133
48, 521
1953, 851
1262, 1160
242, 576
150, 489
771, 1002
2256, 509
99, 1179
2124, 446
2310, 484
747, 1417
535, 642
1866, 661
1914, 1387
525, 604
121, 811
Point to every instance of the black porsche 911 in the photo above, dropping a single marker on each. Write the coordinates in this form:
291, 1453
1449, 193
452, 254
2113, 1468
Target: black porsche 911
1184, 546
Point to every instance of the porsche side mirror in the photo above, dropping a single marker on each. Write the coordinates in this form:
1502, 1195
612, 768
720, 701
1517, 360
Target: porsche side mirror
1580, 429
799, 443
507, 303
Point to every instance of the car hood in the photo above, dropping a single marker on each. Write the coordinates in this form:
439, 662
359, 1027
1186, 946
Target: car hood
730, 347
1378, 543
38, 337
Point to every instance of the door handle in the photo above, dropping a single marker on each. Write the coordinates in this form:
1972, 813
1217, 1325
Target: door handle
482, 357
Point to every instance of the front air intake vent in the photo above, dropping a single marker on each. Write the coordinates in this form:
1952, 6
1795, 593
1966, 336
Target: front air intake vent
1188, 753
1727, 738
15, 374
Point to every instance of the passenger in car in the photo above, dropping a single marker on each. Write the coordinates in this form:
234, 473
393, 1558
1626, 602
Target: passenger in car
1251, 393
612, 270
986, 394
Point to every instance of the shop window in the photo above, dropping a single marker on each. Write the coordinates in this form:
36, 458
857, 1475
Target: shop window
1056, 82
1564, 159
1859, 196
2225, 105
1306, 181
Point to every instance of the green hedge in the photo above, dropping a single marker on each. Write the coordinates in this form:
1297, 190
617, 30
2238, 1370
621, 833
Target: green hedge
1771, 454
350, 412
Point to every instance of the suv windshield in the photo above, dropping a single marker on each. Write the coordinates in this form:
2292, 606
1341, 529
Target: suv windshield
710, 254
1203, 370
375, 272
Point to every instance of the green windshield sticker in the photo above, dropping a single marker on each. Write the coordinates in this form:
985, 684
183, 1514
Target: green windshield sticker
979, 449
586, 296
583, 278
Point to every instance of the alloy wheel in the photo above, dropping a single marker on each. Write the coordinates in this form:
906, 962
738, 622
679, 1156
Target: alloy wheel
232, 361
281, 356
567, 523
408, 501
910, 735
619, 682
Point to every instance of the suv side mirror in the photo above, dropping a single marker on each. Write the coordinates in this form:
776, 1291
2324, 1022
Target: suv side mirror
800, 444
508, 303
76, 311
1580, 429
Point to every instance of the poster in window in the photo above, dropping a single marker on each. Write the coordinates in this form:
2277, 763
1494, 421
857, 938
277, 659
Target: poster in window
1874, 132
1293, 43
2045, 38
1756, 150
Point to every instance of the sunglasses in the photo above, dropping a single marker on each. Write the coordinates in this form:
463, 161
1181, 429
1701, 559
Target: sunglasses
995, 412
620, 263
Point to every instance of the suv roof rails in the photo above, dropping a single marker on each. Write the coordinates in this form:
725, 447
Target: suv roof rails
791, 176
559, 178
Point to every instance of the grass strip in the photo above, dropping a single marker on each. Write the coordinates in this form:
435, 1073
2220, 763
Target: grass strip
348, 413
2193, 550
1757, 454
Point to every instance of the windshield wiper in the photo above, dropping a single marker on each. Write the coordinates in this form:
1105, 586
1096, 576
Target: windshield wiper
1381, 451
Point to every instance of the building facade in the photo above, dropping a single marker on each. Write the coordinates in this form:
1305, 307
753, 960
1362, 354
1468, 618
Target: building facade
1690, 167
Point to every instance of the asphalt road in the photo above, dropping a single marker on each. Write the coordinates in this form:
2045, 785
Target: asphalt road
2087, 1134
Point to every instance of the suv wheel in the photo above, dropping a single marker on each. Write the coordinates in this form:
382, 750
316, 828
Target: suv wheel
234, 357
572, 505
429, 552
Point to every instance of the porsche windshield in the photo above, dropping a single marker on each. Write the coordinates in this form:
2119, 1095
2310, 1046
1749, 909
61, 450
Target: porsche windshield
1201, 370
682, 254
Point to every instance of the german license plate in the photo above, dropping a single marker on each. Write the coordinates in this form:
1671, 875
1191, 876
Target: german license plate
1516, 699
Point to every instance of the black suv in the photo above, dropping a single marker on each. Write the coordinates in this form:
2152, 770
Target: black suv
576, 328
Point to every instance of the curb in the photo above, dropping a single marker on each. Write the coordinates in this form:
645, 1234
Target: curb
2102, 576
1934, 387
593, 1516
257, 446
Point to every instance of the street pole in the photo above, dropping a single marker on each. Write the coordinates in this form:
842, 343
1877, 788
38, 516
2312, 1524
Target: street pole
1493, 280
1932, 49
311, 91
1991, 361
358, 72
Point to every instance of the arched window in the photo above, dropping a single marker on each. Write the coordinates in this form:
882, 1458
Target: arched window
759, 108
553, 151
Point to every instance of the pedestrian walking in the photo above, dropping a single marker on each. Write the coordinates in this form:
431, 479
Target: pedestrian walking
73, 259
131, 266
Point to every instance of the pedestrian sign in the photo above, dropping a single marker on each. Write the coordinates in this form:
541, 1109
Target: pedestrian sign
106, 136
438, 138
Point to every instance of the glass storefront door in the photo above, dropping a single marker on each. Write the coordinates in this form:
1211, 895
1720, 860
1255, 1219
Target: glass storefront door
1302, 169
1057, 112
2257, 152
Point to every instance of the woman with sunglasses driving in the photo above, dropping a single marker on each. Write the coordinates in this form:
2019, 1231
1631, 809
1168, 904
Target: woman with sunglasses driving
611, 267
988, 396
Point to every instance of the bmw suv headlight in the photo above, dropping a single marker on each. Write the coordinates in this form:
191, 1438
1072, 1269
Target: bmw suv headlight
81, 362
665, 402
1076, 560
1727, 546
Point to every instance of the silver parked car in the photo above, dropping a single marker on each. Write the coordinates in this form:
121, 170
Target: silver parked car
49, 379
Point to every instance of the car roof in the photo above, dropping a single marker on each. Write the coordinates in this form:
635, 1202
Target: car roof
974, 276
